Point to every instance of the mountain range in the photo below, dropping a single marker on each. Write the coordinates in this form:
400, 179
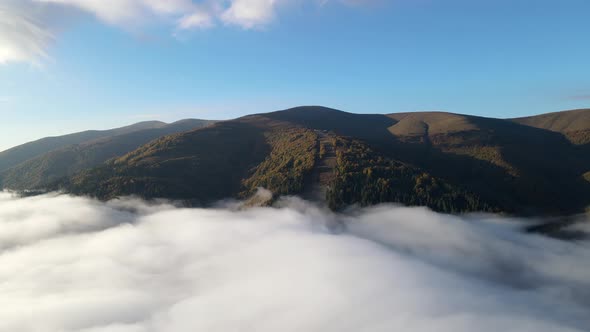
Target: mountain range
538, 165
36, 164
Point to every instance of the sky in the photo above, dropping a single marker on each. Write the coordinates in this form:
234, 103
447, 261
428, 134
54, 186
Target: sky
71, 65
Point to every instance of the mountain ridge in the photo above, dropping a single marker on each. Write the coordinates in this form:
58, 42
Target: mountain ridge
15, 155
572, 123
66, 160
449, 162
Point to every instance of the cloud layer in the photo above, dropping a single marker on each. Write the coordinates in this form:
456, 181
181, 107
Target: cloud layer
74, 264
28, 26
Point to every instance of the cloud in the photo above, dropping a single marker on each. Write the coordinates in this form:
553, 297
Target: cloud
124, 12
22, 37
28, 27
195, 20
579, 97
250, 13
128, 266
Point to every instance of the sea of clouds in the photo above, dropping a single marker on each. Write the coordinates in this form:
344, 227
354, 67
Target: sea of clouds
76, 264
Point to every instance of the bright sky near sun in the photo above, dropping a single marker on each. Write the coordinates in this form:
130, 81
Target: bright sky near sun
70, 65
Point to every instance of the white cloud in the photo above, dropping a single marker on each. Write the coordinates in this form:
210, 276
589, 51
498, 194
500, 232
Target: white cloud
22, 38
250, 13
198, 19
27, 27
130, 267
124, 12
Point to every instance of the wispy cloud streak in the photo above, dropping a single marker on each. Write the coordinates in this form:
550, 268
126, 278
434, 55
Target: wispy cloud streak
582, 97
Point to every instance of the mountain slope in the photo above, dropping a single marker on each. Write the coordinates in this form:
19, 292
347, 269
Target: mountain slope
233, 159
562, 122
24, 152
365, 177
534, 168
371, 127
449, 162
574, 124
200, 165
516, 167
46, 168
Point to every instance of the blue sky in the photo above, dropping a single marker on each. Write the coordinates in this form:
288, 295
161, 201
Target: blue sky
85, 66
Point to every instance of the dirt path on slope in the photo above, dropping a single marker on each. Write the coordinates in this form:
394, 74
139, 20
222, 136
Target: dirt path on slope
323, 171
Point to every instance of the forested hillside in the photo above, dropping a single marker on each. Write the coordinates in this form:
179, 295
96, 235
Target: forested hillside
16, 155
534, 168
449, 162
365, 177
198, 166
290, 161
65, 161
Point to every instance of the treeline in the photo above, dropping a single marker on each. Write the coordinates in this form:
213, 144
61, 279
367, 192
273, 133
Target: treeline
291, 159
365, 177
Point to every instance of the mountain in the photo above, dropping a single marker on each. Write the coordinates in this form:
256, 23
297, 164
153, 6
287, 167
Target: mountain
45, 168
449, 162
234, 158
507, 165
207, 164
24, 152
573, 124
521, 167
